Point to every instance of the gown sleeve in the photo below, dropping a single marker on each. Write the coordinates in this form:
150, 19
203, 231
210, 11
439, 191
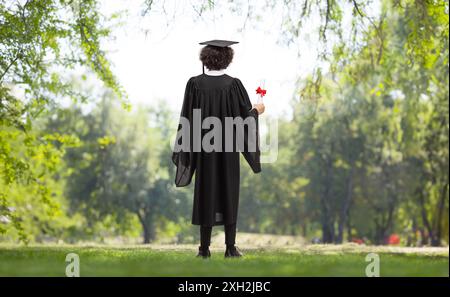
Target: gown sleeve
246, 110
183, 156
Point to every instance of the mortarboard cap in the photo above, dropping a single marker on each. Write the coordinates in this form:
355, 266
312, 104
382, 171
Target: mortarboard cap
219, 43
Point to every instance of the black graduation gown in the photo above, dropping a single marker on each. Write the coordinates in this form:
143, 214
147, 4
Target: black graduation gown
217, 174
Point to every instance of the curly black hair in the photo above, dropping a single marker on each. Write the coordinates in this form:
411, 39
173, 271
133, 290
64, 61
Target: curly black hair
216, 58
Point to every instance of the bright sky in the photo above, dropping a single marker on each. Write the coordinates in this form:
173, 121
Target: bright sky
155, 55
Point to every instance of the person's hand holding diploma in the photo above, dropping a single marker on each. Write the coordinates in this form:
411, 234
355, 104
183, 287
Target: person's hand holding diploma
260, 107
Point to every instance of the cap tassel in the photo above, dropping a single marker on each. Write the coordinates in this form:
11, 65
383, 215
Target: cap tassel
203, 68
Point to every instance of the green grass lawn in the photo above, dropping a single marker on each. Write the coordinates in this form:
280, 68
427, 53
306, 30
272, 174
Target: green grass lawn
145, 261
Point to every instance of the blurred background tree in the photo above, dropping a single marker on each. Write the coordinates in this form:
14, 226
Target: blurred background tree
41, 42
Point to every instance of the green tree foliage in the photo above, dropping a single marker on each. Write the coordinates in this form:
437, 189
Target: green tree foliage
40, 42
121, 168
370, 129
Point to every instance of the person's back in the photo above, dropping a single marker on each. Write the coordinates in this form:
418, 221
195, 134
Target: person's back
217, 108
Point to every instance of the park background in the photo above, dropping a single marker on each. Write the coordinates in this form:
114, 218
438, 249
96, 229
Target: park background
90, 93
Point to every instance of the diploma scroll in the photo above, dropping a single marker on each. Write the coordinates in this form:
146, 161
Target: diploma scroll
261, 92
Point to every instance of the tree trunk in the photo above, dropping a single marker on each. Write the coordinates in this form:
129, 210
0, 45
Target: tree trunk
304, 229
349, 227
379, 234
327, 233
146, 234
425, 220
327, 221
148, 227
436, 239
343, 216
423, 237
383, 225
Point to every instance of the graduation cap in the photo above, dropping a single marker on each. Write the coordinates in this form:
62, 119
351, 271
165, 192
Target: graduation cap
218, 43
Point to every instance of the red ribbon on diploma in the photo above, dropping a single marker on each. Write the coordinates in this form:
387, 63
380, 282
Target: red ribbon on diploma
261, 92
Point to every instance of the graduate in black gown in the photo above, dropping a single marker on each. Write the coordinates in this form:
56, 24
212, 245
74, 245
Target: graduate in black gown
215, 94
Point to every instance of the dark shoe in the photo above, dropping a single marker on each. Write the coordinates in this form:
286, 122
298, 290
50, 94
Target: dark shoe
233, 252
203, 252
